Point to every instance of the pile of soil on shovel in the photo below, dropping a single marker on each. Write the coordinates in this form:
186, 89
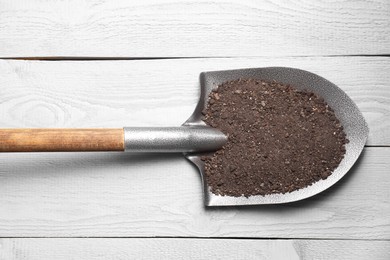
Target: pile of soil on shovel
279, 139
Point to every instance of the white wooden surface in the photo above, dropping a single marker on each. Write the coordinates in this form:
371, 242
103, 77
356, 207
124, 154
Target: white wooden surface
126, 195
98, 206
159, 248
172, 28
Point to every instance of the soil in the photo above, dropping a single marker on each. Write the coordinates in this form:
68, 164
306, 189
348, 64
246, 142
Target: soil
279, 139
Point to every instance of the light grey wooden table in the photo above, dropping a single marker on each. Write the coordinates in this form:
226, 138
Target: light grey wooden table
101, 63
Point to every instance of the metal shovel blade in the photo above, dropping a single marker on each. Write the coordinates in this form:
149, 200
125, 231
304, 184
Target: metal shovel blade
345, 109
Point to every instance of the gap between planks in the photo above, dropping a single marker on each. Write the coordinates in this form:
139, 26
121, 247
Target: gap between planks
195, 238
81, 58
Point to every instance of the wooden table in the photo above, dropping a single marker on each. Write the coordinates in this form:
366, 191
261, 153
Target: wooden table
103, 63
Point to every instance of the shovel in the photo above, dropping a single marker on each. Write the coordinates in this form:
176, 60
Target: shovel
194, 138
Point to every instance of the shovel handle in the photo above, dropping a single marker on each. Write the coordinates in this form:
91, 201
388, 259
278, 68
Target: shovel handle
61, 140
128, 139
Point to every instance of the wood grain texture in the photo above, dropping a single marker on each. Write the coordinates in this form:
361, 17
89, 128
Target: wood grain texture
166, 28
163, 92
61, 140
126, 195
193, 249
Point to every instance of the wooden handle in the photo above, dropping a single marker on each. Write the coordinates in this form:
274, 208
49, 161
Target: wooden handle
61, 140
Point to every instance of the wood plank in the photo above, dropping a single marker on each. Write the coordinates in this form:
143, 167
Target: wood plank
119, 194
165, 28
163, 92
158, 248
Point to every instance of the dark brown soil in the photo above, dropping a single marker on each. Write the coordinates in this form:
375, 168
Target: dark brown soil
280, 139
